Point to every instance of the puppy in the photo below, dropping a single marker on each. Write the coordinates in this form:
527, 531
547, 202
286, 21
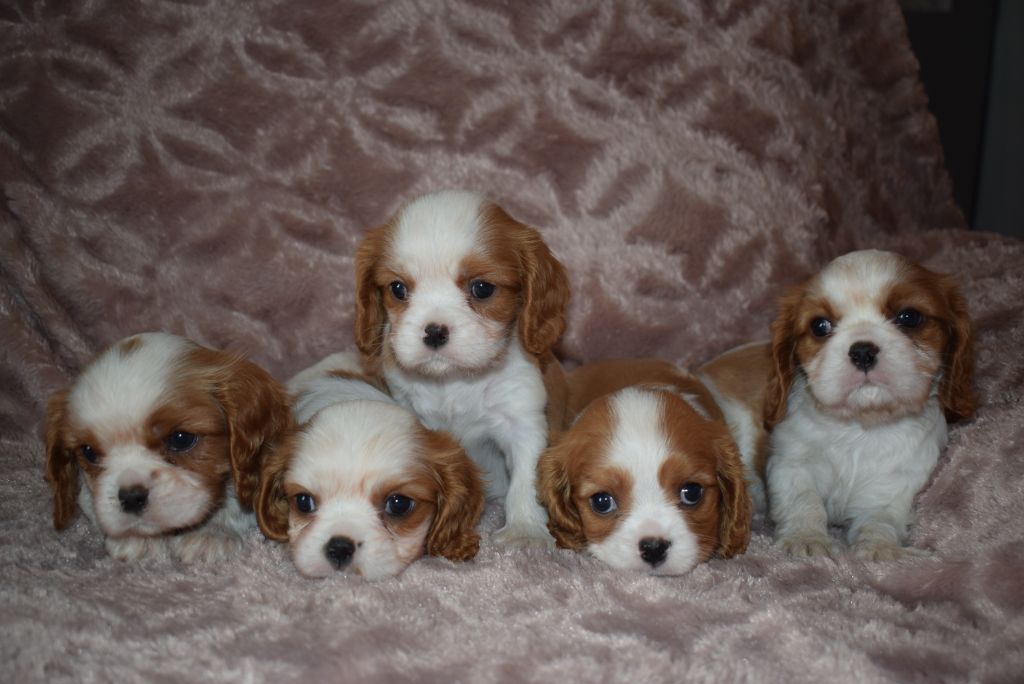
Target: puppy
460, 305
169, 436
649, 476
361, 486
870, 358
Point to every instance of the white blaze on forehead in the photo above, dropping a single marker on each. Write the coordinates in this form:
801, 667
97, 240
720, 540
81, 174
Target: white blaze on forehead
638, 443
119, 390
691, 399
857, 287
640, 446
860, 280
355, 445
435, 232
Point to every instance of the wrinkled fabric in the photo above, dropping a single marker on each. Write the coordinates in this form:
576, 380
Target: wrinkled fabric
208, 167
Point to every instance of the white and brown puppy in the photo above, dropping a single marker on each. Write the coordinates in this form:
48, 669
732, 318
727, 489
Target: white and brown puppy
361, 486
169, 436
461, 305
649, 476
871, 357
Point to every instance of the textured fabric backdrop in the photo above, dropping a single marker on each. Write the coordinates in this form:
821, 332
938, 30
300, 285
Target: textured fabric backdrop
206, 167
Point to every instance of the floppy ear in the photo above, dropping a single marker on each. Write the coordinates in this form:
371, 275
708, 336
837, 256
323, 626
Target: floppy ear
783, 359
554, 493
556, 387
271, 503
956, 389
61, 468
460, 500
371, 317
257, 411
734, 529
545, 290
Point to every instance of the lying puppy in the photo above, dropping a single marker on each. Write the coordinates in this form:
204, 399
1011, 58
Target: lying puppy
649, 476
361, 486
871, 357
460, 305
169, 436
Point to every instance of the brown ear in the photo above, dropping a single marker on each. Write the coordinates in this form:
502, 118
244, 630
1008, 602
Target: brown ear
556, 387
460, 500
734, 529
257, 411
554, 493
61, 468
271, 502
956, 389
545, 290
371, 317
783, 358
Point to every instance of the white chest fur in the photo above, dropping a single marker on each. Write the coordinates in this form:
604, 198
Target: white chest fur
498, 417
482, 411
862, 476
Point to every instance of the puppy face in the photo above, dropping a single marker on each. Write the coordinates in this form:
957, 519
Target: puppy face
447, 282
644, 481
364, 488
875, 336
158, 425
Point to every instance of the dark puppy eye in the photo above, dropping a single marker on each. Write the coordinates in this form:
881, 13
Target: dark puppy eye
691, 493
179, 441
305, 503
88, 453
481, 289
603, 503
398, 290
821, 327
397, 505
909, 318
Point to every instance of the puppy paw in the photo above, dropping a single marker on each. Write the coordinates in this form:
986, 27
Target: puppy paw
522, 537
884, 551
206, 545
133, 548
806, 545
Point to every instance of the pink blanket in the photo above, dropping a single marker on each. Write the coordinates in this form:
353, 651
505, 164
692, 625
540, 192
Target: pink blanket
208, 167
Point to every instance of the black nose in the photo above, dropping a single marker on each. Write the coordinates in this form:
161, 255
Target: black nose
133, 499
653, 550
436, 335
339, 551
864, 355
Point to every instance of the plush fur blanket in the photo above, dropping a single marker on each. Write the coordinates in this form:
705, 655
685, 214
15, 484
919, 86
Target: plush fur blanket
207, 168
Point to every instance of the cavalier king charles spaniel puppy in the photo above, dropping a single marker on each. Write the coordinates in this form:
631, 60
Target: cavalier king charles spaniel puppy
871, 357
460, 305
169, 436
649, 475
360, 486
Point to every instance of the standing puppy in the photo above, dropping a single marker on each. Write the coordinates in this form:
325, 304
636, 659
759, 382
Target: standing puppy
871, 357
169, 436
461, 305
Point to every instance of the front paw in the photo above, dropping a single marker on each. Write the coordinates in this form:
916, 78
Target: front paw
523, 537
133, 548
806, 545
206, 545
884, 551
